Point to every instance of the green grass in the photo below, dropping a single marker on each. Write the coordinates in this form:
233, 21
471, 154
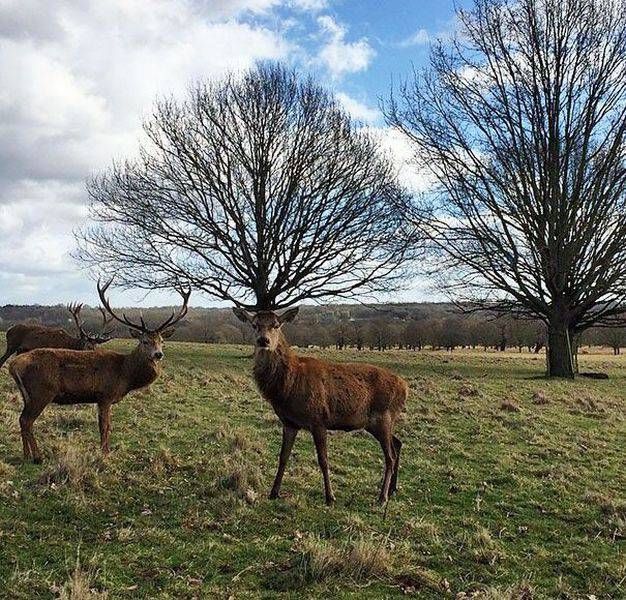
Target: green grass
510, 485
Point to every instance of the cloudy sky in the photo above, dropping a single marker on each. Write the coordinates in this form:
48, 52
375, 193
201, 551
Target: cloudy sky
78, 76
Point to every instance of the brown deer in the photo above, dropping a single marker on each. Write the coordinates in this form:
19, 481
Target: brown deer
102, 377
309, 393
25, 337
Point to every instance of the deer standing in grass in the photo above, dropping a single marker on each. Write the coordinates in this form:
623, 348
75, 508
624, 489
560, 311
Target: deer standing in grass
102, 377
309, 393
24, 337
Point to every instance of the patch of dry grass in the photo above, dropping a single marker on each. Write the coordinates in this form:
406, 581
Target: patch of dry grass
80, 585
510, 406
73, 467
522, 591
361, 559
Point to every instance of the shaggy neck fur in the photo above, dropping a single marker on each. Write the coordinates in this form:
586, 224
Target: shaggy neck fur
273, 369
140, 370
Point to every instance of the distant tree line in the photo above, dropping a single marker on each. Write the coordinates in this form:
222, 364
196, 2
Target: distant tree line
411, 327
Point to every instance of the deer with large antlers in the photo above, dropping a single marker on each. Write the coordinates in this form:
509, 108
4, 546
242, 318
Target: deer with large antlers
101, 377
24, 337
317, 395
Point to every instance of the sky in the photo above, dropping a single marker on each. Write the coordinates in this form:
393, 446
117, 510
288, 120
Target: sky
77, 77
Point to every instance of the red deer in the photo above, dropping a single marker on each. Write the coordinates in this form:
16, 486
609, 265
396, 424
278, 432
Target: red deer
317, 395
102, 377
24, 337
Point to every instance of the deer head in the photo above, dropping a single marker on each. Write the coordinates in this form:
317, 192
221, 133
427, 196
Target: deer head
150, 339
267, 325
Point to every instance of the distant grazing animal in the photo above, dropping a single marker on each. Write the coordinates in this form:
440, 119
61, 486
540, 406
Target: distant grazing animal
101, 377
309, 393
25, 337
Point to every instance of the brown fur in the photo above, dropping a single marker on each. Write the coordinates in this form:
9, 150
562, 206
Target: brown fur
23, 338
317, 395
61, 376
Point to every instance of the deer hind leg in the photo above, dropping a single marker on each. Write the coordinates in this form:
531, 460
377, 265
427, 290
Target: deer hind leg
382, 432
27, 418
289, 437
9, 351
320, 436
397, 446
104, 424
33, 406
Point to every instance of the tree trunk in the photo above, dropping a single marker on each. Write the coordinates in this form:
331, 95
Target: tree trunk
560, 356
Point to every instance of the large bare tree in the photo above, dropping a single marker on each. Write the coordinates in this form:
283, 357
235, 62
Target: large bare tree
258, 189
520, 119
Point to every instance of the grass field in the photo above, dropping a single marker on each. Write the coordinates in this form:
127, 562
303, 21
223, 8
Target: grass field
511, 486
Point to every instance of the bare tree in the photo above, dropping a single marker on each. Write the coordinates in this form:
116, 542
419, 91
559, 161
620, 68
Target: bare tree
258, 189
521, 120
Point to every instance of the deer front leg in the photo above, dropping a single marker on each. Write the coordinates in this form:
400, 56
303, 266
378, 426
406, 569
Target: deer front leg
320, 437
104, 422
289, 437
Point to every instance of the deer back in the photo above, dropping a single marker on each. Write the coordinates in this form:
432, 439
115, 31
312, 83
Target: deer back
24, 337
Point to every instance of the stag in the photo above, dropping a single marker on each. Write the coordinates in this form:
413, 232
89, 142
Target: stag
102, 377
25, 337
317, 395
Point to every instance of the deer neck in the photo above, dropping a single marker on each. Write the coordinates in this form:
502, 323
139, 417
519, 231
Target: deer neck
273, 369
139, 370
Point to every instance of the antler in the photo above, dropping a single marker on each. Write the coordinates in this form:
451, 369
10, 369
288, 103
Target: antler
105, 322
171, 320
175, 318
74, 309
123, 319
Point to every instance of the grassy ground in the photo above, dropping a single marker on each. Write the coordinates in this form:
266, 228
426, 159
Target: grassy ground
511, 486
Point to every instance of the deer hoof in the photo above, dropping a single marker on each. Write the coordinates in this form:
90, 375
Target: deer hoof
330, 501
37, 460
274, 495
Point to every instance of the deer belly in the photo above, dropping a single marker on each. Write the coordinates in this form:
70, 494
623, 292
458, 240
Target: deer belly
75, 398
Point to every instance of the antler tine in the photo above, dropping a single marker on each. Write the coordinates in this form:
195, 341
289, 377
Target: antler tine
175, 318
123, 319
74, 308
104, 332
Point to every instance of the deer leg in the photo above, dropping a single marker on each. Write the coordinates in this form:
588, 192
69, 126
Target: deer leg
5, 356
382, 432
289, 437
320, 437
27, 418
104, 423
397, 446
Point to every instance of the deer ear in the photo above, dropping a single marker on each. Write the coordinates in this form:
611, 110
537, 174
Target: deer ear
288, 315
242, 315
134, 333
168, 333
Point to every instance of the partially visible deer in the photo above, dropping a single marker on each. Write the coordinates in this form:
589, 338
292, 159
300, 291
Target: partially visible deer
317, 395
102, 377
25, 337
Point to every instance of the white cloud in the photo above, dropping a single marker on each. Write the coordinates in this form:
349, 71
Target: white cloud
420, 38
75, 81
310, 5
402, 153
358, 110
340, 56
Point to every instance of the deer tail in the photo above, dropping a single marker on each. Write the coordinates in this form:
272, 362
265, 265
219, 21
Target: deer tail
14, 372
